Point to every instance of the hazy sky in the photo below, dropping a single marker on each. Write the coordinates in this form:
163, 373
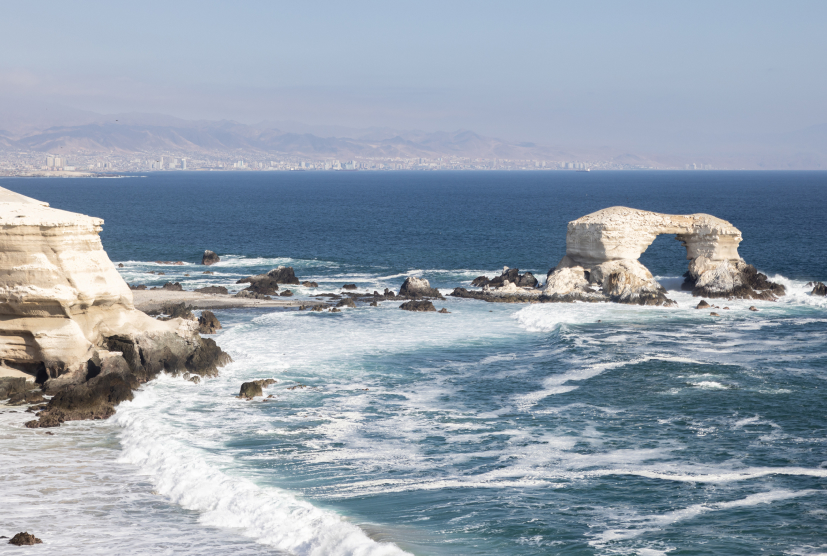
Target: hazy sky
538, 71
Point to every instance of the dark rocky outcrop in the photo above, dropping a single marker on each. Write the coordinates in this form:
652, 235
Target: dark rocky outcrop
252, 295
213, 289
27, 398
209, 258
310, 284
208, 323
480, 281
13, 386
174, 287
286, 293
703, 305
267, 284
349, 287
137, 287
819, 289
753, 308
731, 280
24, 539
415, 288
513, 276
95, 399
250, 390
443, 311
347, 302
173, 311
420, 306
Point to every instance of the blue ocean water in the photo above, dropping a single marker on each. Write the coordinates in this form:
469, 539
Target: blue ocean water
495, 429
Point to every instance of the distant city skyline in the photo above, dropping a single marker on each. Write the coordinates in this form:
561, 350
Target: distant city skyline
657, 76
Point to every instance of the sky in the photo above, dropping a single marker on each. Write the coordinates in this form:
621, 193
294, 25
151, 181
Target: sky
583, 72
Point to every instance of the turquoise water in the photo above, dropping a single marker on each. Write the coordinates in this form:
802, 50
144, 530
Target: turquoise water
495, 429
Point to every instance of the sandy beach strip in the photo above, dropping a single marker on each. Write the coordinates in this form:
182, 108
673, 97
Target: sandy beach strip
154, 300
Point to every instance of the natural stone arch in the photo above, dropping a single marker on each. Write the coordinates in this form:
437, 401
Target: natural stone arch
603, 248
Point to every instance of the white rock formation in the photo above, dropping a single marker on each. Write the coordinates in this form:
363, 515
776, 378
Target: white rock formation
602, 251
61, 299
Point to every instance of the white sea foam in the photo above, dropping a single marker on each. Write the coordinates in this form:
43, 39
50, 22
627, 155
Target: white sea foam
638, 525
269, 515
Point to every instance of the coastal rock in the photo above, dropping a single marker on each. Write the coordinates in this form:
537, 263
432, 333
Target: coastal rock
443, 311
120, 265
819, 289
213, 289
421, 306
753, 308
703, 305
173, 311
604, 247
252, 295
414, 287
347, 302
310, 284
286, 293
137, 287
267, 284
208, 323
24, 539
12, 386
349, 287
173, 287
64, 304
209, 258
250, 390
480, 281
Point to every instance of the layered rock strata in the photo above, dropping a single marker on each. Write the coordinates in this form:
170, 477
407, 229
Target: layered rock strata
602, 251
67, 317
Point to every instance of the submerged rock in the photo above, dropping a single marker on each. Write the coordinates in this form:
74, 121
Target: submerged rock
310, 284
24, 539
421, 306
209, 258
443, 310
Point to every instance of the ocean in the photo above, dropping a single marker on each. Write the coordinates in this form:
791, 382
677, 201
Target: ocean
508, 429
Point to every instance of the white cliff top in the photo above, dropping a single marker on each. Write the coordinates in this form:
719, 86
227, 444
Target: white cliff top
19, 210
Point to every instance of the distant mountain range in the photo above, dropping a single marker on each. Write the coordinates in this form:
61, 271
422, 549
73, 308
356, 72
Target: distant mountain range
74, 131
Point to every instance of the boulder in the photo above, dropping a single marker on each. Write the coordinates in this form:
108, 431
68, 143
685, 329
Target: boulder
120, 265
27, 398
12, 386
347, 302
174, 287
24, 539
349, 287
209, 258
480, 281
714, 314
286, 293
250, 390
267, 284
443, 310
420, 306
310, 284
173, 311
213, 289
414, 287
753, 308
702, 305
335, 310
208, 323
819, 289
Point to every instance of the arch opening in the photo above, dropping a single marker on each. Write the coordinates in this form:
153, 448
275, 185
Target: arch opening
667, 258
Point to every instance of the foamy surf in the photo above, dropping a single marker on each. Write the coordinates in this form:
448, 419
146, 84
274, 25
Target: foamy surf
269, 515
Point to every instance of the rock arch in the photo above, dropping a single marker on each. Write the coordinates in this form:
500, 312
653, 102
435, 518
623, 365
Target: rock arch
603, 248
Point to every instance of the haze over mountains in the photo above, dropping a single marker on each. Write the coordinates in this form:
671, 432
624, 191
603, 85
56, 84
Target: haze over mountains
55, 128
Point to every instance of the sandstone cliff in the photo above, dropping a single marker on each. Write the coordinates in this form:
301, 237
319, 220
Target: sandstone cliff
66, 315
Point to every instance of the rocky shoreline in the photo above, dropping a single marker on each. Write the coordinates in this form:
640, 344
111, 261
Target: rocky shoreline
74, 331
